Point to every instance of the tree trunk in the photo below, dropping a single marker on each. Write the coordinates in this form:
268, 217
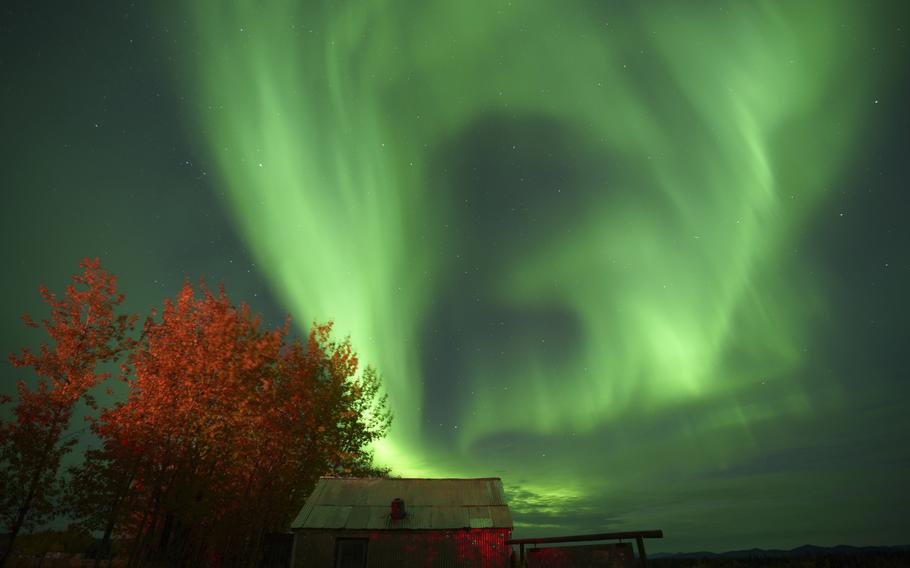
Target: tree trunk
139, 539
105, 543
112, 519
32, 489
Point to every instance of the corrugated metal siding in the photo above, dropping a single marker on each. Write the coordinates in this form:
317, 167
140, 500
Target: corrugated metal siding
479, 517
430, 504
359, 518
448, 517
315, 497
329, 517
501, 516
379, 517
417, 518
477, 548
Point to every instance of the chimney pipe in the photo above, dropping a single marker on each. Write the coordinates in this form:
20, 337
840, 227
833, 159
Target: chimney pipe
398, 511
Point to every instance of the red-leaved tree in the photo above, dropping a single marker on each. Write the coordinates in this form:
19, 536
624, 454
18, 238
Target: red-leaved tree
224, 420
83, 330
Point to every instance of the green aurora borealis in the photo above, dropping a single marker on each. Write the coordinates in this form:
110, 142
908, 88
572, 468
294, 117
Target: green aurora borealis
585, 243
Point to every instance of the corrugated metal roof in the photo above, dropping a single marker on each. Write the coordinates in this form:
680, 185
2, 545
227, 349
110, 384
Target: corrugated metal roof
344, 503
330, 517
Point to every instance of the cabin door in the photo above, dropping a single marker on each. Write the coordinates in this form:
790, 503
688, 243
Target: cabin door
350, 553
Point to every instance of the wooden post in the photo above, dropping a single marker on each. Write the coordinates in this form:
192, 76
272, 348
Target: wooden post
639, 537
521, 557
642, 557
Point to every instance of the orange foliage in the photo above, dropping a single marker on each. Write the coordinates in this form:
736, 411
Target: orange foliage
224, 420
83, 330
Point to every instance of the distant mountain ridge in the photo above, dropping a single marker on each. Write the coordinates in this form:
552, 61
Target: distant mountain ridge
800, 551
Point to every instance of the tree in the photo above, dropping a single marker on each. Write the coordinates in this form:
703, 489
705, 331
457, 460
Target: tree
99, 489
224, 420
84, 330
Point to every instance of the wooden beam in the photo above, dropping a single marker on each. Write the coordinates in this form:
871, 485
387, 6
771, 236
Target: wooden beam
588, 537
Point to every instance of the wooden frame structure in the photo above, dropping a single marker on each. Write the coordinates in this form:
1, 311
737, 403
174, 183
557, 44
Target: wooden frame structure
639, 537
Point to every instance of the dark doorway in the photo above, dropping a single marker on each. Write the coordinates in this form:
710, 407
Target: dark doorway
351, 553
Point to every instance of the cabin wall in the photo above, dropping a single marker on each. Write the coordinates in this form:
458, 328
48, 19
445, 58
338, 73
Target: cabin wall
456, 548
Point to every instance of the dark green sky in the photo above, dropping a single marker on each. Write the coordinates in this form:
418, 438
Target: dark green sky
646, 262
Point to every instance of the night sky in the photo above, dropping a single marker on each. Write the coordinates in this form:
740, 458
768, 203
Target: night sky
647, 262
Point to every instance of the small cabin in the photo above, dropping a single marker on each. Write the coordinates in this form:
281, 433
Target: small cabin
378, 522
